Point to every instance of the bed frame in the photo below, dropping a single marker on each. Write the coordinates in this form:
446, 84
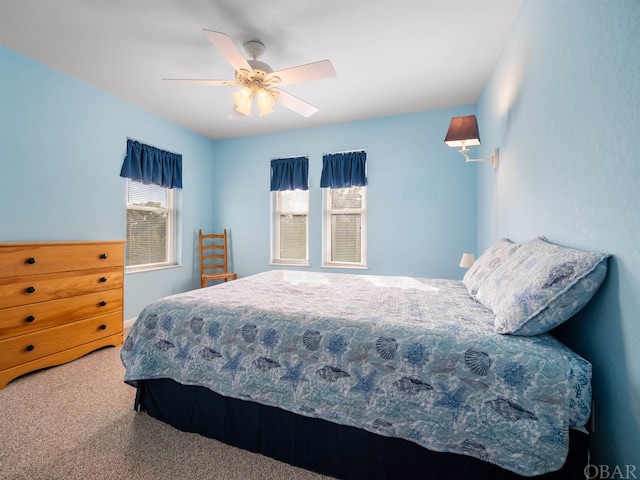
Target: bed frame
321, 446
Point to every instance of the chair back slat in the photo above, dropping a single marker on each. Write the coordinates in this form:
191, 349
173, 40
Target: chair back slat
213, 257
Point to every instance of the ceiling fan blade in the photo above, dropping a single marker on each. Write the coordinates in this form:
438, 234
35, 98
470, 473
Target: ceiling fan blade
193, 81
228, 49
305, 73
294, 103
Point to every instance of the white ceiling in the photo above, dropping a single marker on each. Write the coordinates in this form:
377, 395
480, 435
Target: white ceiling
391, 56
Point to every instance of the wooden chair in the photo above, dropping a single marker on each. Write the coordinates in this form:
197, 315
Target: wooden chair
213, 257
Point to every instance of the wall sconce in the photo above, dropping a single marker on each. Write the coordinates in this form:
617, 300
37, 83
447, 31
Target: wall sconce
467, 260
463, 132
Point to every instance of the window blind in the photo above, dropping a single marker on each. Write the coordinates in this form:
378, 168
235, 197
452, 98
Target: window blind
346, 241
148, 224
293, 237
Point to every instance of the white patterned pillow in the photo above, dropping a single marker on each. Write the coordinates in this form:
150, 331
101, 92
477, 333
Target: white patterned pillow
490, 259
540, 286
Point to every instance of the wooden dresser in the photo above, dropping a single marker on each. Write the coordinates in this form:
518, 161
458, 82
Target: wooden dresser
58, 301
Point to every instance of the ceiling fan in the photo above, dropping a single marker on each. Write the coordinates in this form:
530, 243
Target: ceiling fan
258, 80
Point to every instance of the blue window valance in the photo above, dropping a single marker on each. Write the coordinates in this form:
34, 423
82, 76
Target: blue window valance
342, 170
290, 174
148, 164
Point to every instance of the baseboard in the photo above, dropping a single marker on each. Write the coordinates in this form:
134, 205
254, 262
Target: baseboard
129, 323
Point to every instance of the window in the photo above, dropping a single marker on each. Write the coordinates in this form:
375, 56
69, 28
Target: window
150, 226
345, 227
291, 227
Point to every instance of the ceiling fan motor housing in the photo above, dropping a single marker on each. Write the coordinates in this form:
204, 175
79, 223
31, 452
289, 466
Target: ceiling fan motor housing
261, 68
261, 73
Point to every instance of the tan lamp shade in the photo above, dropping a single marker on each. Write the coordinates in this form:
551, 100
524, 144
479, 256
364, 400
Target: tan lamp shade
467, 260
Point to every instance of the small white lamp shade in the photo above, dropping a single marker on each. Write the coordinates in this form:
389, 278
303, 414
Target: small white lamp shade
467, 260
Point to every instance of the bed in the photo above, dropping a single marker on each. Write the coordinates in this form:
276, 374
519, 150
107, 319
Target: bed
366, 376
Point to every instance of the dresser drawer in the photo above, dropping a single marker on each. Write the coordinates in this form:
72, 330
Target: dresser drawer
34, 258
29, 318
32, 346
52, 286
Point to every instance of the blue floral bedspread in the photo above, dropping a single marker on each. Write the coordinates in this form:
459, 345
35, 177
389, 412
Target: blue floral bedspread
405, 357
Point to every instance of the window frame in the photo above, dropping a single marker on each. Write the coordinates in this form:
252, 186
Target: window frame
170, 209
326, 228
275, 227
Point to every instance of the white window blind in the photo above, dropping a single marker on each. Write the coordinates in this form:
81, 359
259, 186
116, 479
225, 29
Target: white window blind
345, 221
150, 225
291, 219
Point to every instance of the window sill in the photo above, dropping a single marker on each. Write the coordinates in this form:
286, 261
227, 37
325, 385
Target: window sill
290, 264
345, 265
150, 268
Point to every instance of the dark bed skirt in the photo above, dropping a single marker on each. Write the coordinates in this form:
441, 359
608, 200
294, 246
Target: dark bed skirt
321, 446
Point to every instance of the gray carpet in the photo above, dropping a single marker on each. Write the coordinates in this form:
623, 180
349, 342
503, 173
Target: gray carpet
76, 421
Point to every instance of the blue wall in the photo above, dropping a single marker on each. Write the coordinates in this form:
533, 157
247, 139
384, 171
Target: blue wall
563, 106
62, 144
421, 194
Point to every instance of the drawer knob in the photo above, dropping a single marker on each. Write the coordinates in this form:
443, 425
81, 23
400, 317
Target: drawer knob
103, 304
30, 348
103, 256
30, 319
103, 327
30, 289
31, 260
103, 279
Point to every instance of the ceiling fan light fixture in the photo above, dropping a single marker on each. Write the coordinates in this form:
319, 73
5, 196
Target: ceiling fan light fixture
245, 110
265, 101
242, 99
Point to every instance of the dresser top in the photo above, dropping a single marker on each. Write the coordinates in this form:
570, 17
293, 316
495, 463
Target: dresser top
63, 242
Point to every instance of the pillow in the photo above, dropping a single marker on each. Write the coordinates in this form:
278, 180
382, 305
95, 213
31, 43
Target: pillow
540, 286
486, 263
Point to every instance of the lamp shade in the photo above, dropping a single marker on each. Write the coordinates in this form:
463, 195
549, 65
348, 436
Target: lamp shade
265, 102
242, 100
463, 129
467, 260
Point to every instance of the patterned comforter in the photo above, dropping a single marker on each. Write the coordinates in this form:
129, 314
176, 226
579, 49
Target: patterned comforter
406, 357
